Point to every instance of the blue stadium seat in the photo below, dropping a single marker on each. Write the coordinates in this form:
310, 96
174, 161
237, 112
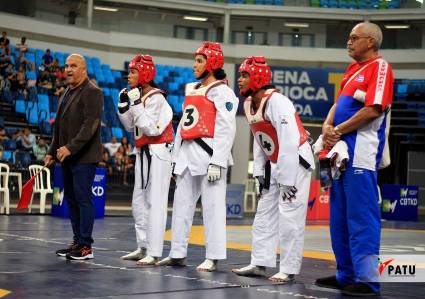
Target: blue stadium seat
114, 95
105, 134
9, 145
172, 86
31, 76
324, 3
32, 113
20, 106
117, 132
30, 57
8, 156
22, 159
45, 127
43, 102
10, 131
105, 67
106, 91
401, 92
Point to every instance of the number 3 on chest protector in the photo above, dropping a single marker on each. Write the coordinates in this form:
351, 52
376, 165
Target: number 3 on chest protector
190, 117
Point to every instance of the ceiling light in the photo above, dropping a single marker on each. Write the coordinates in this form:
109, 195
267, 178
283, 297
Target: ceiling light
297, 25
193, 18
400, 26
104, 8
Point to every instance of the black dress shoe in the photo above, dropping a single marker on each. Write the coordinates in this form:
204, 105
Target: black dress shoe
359, 290
328, 282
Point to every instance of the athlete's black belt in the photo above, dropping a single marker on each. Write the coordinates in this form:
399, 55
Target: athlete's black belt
267, 171
304, 163
267, 175
145, 150
204, 146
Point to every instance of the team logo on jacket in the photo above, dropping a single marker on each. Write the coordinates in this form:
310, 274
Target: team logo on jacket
266, 142
190, 117
229, 106
360, 78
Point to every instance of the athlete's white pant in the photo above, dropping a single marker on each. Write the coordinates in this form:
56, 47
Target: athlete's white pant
187, 193
150, 204
284, 221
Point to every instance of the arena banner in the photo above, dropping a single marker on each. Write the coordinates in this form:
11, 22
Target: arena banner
235, 200
59, 203
318, 202
312, 90
399, 202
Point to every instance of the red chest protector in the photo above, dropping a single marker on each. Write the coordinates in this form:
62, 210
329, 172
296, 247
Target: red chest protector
199, 112
166, 136
263, 130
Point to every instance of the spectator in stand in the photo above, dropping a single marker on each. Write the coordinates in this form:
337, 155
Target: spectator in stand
22, 47
21, 60
128, 148
112, 146
4, 41
25, 140
55, 65
47, 59
59, 73
122, 163
40, 150
22, 82
119, 158
10, 71
14, 84
59, 87
45, 80
106, 160
3, 134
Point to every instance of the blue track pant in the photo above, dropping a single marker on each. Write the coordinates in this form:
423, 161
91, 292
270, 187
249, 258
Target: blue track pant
355, 227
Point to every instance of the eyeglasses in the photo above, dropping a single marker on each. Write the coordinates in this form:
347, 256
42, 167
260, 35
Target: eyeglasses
354, 38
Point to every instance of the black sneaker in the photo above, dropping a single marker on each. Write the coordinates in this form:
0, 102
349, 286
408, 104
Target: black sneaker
328, 282
359, 290
82, 253
65, 251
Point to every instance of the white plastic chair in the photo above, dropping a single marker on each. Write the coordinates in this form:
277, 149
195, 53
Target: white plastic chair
250, 200
41, 185
4, 188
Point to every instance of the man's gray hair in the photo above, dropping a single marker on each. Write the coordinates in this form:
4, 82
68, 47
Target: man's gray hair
374, 32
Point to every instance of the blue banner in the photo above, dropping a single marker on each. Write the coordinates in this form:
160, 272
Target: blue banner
400, 202
235, 200
312, 90
59, 204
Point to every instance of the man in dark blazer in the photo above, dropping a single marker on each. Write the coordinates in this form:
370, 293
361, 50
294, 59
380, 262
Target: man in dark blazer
77, 145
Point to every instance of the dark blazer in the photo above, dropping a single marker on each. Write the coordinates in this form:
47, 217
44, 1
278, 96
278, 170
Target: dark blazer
78, 125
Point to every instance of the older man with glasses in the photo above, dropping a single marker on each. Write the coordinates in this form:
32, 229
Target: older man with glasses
359, 116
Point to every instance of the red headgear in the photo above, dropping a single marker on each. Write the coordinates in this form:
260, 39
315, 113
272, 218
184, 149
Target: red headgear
258, 70
145, 66
214, 55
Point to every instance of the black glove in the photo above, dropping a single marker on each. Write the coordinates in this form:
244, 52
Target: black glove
259, 184
123, 104
123, 96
